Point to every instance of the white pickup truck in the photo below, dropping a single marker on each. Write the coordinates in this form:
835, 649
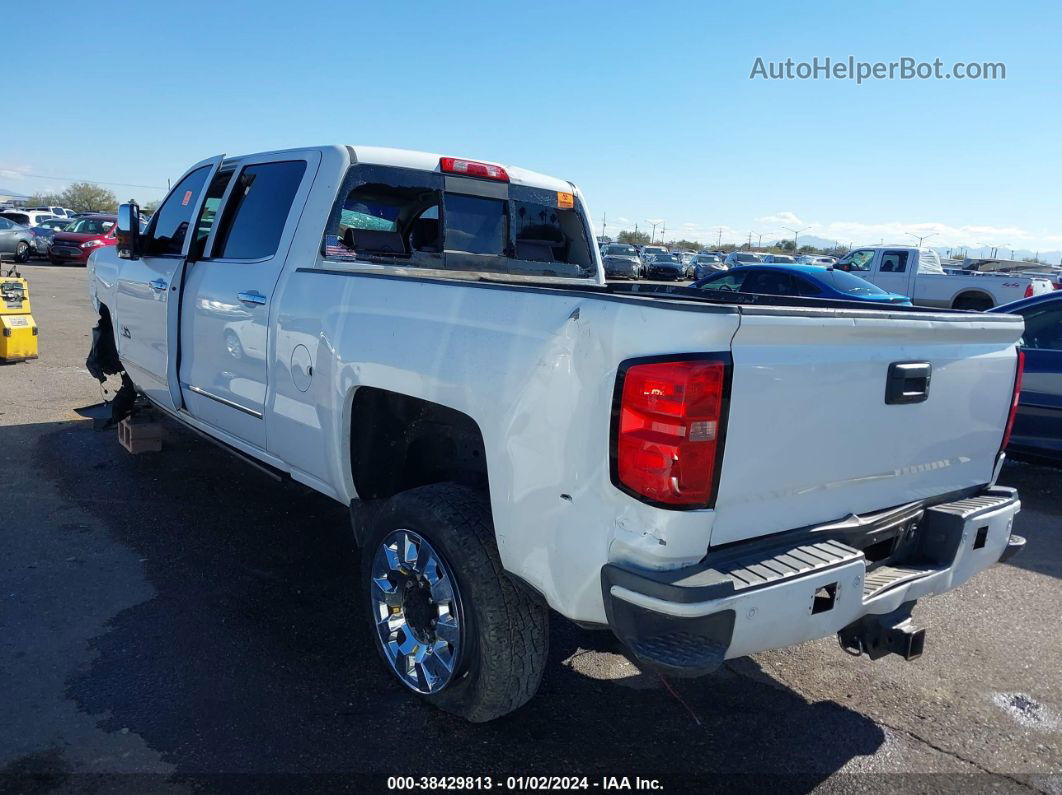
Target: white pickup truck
430, 341
918, 274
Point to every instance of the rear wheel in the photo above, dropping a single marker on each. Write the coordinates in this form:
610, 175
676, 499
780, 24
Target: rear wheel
448, 622
22, 251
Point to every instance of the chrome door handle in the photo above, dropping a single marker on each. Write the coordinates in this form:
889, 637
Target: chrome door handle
158, 284
251, 297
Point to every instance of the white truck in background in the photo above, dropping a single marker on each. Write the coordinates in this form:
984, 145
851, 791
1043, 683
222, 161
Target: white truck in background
430, 341
918, 274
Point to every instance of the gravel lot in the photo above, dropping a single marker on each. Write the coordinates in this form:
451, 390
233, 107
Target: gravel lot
178, 616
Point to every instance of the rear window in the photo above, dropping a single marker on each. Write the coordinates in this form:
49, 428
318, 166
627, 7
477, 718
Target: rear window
746, 258
418, 218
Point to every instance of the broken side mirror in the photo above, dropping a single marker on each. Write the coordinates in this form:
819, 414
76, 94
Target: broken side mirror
128, 231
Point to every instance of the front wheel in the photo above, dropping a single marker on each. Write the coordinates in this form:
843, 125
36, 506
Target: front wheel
22, 251
448, 622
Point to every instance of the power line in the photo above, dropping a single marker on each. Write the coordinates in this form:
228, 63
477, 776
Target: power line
73, 179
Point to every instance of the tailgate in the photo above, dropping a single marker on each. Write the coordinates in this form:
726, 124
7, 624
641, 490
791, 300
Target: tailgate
810, 437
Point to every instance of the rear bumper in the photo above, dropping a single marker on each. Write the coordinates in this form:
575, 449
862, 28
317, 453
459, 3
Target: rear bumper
755, 596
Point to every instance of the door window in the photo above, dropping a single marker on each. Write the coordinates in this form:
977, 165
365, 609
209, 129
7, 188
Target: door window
769, 283
731, 281
893, 262
257, 210
208, 214
5, 224
859, 260
170, 223
1043, 327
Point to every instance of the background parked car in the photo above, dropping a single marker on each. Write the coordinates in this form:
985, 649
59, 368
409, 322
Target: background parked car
807, 281
707, 264
27, 217
58, 212
647, 251
1038, 424
74, 244
622, 251
44, 233
15, 240
779, 259
665, 267
737, 258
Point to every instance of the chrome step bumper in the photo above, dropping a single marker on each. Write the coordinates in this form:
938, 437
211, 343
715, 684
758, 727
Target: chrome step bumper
775, 592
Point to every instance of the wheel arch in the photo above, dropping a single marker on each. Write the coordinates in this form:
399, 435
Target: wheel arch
398, 442
972, 292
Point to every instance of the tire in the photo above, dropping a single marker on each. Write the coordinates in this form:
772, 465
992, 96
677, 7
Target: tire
975, 303
22, 251
497, 649
54, 260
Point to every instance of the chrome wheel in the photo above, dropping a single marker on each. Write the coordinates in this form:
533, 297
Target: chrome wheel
417, 611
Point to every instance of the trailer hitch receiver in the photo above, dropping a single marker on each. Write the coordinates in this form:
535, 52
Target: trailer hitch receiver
891, 633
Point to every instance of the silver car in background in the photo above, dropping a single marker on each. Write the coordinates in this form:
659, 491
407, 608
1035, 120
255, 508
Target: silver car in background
15, 240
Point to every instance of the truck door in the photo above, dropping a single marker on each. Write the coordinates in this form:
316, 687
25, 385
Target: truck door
893, 271
148, 288
228, 295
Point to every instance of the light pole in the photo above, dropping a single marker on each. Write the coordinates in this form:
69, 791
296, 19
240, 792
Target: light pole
921, 237
796, 235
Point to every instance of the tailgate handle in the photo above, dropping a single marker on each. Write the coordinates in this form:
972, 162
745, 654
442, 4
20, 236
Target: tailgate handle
908, 382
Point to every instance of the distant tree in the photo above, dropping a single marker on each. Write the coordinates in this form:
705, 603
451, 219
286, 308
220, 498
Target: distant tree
786, 245
807, 250
634, 238
150, 207
692, 245
44, 200
82, 196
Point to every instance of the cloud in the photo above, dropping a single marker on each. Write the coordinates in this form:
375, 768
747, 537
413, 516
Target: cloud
14, 172
784, 218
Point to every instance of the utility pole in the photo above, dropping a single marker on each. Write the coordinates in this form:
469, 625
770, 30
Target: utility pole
796, 236
759, 241
604, 224
663, 232
719, 240
920, 237
750, 240
652, 237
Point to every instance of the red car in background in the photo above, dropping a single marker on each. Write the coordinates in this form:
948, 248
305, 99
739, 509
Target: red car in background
83, 236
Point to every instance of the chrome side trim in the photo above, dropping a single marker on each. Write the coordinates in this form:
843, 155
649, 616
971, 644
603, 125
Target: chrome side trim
222, 401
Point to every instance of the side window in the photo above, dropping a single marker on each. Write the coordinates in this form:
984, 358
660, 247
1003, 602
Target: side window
1043, 328
5, 224
171, 221
807, 288
859, 260
769, 283
209, 212
894, 262
258, 209
732, 281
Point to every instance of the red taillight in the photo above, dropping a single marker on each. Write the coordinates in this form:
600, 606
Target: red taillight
472, 168
1014, 399
1029, 290
668, 432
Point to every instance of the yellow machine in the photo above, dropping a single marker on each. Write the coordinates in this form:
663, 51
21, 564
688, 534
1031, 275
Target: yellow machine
18, 331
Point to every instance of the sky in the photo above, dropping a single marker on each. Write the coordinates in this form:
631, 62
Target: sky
649, 108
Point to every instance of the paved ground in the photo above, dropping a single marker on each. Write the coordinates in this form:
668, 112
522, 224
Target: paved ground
180, 615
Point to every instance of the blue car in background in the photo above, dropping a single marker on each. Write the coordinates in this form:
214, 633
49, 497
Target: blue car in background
1037, 430
805, 281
